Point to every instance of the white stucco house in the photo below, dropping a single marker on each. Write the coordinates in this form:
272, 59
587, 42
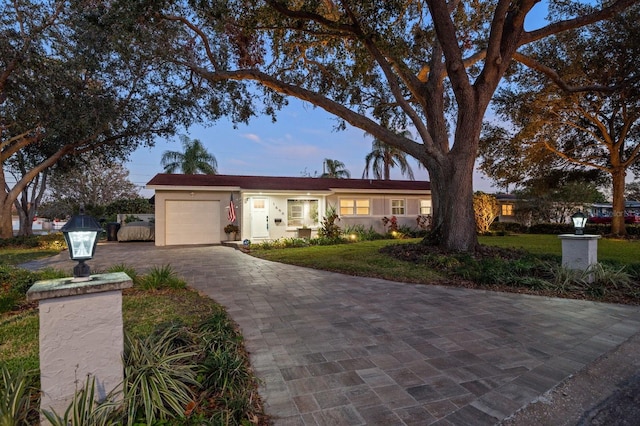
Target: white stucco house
194, 209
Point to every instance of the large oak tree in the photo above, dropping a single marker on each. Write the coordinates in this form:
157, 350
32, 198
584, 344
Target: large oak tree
575, 101
72, 82
377, 65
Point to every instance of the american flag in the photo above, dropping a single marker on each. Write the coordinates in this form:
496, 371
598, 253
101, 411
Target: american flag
232, 211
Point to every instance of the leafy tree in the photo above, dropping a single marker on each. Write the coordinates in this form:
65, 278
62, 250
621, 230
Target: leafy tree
71, 82
376, 65
334, 169
578, 100
632, 191
92, 183
486, 209
383, 157
192, 160
555, 197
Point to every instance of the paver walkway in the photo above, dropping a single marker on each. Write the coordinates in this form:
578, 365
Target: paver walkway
339, 350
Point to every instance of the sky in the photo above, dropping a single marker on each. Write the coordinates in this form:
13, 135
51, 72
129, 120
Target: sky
295, 145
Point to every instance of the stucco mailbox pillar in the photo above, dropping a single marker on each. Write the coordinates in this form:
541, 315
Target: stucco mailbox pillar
579, 251
80, 335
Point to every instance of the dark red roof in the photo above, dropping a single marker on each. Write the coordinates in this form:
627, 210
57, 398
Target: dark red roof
286, 183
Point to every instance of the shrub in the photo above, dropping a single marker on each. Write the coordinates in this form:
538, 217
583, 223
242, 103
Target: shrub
16, 393
14, 283
158, 375
129, 270
85, 410
328, 227
361, 233
161, 277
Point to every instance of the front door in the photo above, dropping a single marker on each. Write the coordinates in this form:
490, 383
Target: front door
259, 218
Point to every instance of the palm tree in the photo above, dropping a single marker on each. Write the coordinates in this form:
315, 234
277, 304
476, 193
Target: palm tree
383, 157
334, 169
195, 159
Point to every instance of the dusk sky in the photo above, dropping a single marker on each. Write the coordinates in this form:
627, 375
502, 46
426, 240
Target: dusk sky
297, 143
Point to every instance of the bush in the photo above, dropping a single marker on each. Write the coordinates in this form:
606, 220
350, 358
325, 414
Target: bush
509, 227
328, 227
161, 277
15, 282
158, 376
17, 389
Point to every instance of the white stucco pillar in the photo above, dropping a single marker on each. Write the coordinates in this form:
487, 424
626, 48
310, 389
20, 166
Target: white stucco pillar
579, 251
80, 335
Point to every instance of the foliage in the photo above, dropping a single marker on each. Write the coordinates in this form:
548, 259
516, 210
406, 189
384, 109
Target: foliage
90, 182
131, 218
129, 270
158, 375
17, 391
206, 327
383, 157
194, 159
424, 222
556, 196
70, 84
486, 209
593, 123
85, 410
391, 223
328, 227
360, 233
231, 228
594, 282
161, 277
376, 65
14, 283
334, 169
224, 370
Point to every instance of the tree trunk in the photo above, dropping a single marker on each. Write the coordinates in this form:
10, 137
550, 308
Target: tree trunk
6, 226
454, 226
617, 221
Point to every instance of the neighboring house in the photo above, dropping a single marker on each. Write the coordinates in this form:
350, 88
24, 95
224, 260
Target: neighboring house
507, 204
194, 209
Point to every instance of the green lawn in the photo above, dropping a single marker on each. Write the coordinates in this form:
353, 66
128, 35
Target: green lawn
362, 259
623, 251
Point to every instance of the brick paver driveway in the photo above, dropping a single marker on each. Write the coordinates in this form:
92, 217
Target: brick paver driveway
339, 350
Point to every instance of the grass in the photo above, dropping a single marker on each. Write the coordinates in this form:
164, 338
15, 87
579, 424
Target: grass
362, 259
153, 304
15, 256
19, 340
619, 251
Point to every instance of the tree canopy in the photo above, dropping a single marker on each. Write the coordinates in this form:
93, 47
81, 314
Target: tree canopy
193, 160
73, 81
377, 65
383, 157
576, 103
334, 169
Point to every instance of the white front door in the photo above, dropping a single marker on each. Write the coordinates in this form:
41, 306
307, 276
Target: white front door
259, 218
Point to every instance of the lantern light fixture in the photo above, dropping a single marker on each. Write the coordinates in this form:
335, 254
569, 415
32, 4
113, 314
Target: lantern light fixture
81, 235
579, 220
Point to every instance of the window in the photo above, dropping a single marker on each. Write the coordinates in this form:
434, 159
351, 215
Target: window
351, 207
397, 207
507, 210
302, 212
425, 207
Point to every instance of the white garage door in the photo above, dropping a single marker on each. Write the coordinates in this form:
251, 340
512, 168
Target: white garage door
192, 222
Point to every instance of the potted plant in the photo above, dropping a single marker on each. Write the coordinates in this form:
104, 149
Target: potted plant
231, 230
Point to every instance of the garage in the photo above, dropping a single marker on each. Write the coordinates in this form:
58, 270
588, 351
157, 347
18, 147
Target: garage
192, 222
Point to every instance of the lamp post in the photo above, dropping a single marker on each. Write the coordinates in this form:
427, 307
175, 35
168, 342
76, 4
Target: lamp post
579, 251
81, 236
579, 220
